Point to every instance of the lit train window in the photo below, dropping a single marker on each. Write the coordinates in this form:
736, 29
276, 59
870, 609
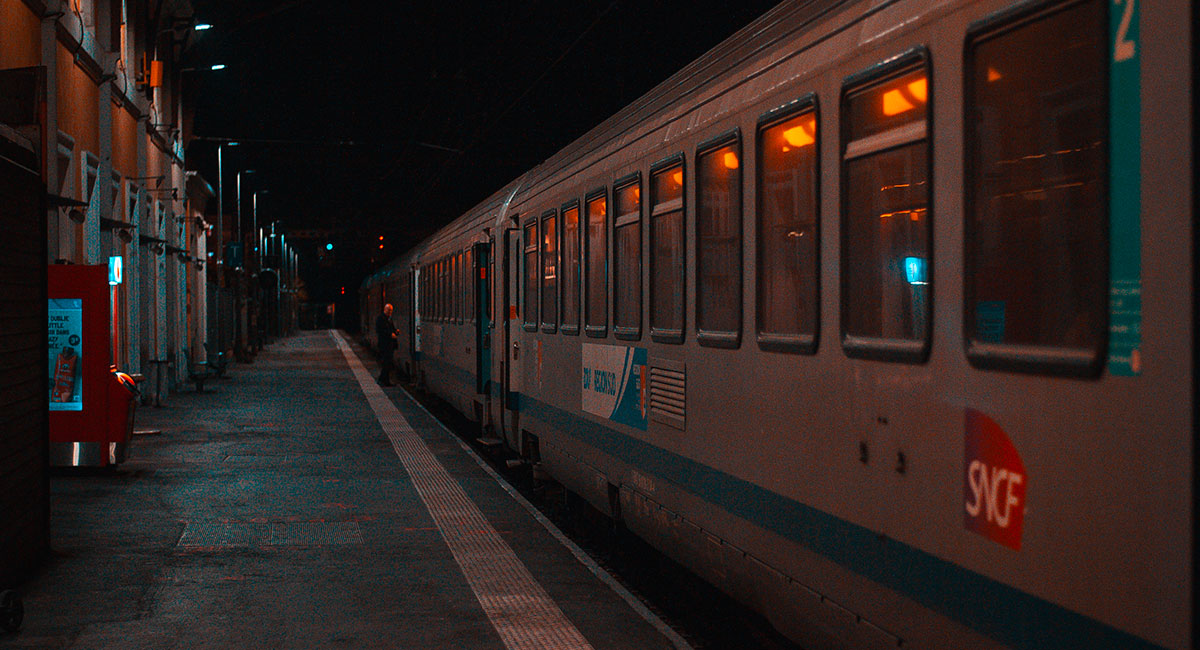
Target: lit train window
446, 289
461, 281
456, 287
787, 228
627, 258
469, 279
530, 304
596, 299
1036, 263
666, 251
550, 271
886, 268
719, 242
570, 268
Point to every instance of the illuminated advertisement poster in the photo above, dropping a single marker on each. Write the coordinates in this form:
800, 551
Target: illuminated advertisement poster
614, 383
65, 339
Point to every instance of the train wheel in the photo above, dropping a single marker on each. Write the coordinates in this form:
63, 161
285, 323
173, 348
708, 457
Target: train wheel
12, 611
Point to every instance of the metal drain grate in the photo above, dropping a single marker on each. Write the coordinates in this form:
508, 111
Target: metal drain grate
319, 533
299, 533
223, 534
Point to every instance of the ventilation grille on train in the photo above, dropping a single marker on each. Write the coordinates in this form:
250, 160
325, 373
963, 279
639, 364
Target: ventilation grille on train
668, 393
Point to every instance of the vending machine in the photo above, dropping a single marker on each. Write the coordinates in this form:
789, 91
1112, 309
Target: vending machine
91, 404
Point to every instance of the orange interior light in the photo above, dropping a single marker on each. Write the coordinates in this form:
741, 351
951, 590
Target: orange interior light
994, 74
677, 177
919, 89
802, 134
894, 103
731, 160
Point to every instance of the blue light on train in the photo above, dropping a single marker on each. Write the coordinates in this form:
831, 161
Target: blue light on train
915, 269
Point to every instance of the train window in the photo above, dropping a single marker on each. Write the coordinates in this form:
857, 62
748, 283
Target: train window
570, 268
787, 228
550, 272
469, 276
666, 251
886, 267
460, 293
446, 289
439, 290
719, 241
596, 299
531, 277
1036, 249
454, 288
627, 258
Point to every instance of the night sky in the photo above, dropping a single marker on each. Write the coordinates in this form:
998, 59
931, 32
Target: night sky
380, 118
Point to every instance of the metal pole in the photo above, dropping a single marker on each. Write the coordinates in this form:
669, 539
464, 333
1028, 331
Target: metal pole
238, 213
220, 343
255, 227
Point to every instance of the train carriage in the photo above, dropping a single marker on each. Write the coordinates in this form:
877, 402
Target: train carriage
879, 316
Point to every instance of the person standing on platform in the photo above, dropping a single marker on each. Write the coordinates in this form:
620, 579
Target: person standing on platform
385, 335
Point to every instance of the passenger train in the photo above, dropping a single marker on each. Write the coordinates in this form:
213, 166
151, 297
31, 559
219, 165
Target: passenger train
879, 317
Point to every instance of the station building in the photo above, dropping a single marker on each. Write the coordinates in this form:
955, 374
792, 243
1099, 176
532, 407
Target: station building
92, 171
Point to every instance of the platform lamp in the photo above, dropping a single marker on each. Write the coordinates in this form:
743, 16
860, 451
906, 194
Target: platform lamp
238, 226
257, 235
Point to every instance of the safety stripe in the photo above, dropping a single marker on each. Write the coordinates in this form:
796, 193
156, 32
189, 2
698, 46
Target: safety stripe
519, 608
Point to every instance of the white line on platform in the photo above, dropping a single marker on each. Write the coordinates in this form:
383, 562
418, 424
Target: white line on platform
519, 608
586, 560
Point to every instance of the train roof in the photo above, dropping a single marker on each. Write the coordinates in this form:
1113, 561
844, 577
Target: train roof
725, 61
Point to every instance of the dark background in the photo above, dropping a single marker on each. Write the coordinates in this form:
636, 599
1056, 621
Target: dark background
368, 119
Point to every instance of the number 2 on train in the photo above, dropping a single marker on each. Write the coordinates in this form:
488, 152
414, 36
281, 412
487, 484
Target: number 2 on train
1123, 48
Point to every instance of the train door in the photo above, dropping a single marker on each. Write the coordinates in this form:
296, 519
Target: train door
511, 371
414, 318
483, 324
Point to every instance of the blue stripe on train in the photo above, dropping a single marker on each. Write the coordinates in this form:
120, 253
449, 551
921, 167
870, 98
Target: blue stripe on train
993, 608
1000, 611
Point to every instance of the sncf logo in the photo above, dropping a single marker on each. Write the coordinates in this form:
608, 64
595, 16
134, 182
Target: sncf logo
994, 482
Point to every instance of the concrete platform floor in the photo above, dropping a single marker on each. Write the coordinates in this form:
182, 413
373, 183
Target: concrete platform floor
273, 511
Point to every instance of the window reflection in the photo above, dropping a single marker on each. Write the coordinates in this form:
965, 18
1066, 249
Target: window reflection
787, 228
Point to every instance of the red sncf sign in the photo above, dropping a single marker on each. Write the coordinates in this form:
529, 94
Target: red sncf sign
994, 482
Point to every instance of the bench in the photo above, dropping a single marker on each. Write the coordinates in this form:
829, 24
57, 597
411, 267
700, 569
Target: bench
199, 374
216, 360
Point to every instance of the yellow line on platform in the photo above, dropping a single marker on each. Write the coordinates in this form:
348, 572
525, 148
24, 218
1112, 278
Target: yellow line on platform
523, 614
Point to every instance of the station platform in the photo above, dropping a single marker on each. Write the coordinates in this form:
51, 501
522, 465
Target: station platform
297, 504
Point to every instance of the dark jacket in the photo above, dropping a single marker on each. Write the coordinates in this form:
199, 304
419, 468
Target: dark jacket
384, 328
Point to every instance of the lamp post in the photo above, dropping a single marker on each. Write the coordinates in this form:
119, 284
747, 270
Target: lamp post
220, 342
257, 240
239, 205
